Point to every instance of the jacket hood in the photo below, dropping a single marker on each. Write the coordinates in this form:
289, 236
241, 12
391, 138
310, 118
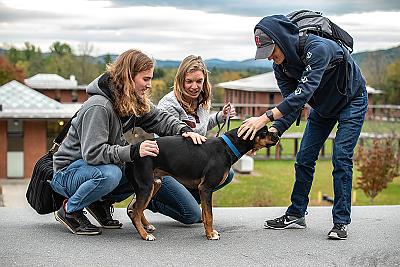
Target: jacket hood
285, 34
101, 86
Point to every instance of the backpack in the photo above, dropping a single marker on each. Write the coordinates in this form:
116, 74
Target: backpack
313, 22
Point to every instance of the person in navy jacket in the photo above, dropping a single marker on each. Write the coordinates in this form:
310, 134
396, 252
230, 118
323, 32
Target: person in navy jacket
326, 77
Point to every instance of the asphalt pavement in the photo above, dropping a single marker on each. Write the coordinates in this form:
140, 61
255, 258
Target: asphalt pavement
29, 239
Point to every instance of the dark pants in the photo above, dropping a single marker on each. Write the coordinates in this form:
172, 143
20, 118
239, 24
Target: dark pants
350, 121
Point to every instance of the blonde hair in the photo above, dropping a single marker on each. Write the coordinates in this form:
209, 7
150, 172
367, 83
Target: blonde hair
122, 73
188, 65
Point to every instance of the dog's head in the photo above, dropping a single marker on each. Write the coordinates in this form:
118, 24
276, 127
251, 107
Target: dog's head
265, 138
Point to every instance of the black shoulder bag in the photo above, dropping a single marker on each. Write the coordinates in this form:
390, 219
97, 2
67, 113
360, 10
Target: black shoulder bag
40, 195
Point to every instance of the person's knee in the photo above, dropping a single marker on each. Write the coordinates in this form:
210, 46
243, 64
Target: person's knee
192, 217
111, 176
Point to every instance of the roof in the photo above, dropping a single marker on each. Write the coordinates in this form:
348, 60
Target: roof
265, 82
20, 101
52, 81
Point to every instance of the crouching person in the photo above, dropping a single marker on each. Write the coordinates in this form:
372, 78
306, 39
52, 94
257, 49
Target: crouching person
89, 164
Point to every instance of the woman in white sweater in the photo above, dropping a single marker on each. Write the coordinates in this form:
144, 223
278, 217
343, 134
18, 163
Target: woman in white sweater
190, 102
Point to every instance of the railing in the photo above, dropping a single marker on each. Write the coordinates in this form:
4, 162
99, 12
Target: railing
375, 112
296, 137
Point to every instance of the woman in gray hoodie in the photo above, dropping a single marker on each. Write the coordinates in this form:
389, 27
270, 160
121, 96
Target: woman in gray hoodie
89, 164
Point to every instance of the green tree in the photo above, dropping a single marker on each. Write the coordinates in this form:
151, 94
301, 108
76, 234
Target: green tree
392, 83
61, 60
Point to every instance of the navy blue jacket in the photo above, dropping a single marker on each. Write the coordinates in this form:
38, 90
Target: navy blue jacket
318, 79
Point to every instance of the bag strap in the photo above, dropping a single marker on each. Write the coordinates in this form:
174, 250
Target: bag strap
57, 142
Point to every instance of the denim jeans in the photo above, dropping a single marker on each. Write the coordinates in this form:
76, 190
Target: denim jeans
84, 184
176, 201
350, 121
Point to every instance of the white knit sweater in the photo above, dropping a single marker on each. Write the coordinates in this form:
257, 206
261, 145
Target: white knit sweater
170, 104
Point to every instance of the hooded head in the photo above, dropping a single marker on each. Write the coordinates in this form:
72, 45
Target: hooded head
280, 31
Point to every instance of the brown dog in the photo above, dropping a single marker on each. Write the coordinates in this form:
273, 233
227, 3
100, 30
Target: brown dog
202, 166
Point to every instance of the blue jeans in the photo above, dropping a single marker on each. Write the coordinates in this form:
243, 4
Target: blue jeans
84, 184
350, 121
176, 201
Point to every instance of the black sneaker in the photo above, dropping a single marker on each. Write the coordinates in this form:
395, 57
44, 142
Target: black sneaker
102, 212
76, 222
285, 222
339, 231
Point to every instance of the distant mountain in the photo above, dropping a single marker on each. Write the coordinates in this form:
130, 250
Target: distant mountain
385, 56
212, 63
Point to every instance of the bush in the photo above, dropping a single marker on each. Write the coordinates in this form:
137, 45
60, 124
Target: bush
378, 165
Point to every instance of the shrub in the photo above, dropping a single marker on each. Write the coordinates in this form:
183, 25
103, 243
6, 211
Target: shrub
378, 165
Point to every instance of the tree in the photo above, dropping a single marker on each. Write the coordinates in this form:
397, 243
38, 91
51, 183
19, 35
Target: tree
392, 83
86, 69
9, 72
60, 49
378, 165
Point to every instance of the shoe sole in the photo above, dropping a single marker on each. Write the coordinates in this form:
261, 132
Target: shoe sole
102, 225
290, 226
336, 237
59, 219
129, 208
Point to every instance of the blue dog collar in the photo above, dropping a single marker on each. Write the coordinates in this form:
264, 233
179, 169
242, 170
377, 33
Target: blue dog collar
231, 146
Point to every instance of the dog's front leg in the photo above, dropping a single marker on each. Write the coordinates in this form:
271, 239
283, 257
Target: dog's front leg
137, 215
207, 216
146, 224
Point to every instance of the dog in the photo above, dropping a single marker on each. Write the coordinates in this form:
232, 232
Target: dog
202, 166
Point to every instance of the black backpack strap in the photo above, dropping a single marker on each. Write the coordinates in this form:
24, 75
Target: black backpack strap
302, 44
63, 133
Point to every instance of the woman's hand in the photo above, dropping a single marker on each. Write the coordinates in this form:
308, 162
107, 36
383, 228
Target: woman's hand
196, 138
148, 148
251, 125
228, 109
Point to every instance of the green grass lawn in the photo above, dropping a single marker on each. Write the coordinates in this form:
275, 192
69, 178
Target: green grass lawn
272, 180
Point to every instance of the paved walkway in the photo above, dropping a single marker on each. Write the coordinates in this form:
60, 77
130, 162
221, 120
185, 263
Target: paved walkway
29, 239
12, 192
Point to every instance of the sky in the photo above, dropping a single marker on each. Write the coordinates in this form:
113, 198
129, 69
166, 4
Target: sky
174, 29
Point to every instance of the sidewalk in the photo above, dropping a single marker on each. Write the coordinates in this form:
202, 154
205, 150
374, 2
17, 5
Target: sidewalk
12, 192
29, 239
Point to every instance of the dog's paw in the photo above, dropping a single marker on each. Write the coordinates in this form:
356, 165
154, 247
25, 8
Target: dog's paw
214, 235
149, 228
150, 237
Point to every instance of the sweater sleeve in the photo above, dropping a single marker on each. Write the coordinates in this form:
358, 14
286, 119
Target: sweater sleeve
94, 134
162, 123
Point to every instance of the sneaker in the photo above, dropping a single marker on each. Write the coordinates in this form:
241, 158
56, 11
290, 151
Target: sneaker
339, 231
285, 222
76, 222
102, 212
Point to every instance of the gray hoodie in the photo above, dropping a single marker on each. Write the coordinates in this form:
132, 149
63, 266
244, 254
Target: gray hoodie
96, 133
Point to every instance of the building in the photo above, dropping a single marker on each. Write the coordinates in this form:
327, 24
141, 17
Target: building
29, 121
253, 95
58, 88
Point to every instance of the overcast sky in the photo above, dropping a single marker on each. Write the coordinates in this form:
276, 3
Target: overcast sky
174, 29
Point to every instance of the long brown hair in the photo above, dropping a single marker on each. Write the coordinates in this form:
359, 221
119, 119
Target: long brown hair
122, 73
188, 65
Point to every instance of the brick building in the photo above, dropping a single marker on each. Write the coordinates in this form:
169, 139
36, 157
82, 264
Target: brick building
58, 88
29, 121
253, 95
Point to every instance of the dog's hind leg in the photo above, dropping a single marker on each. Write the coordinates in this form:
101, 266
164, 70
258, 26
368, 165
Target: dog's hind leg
207, 216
